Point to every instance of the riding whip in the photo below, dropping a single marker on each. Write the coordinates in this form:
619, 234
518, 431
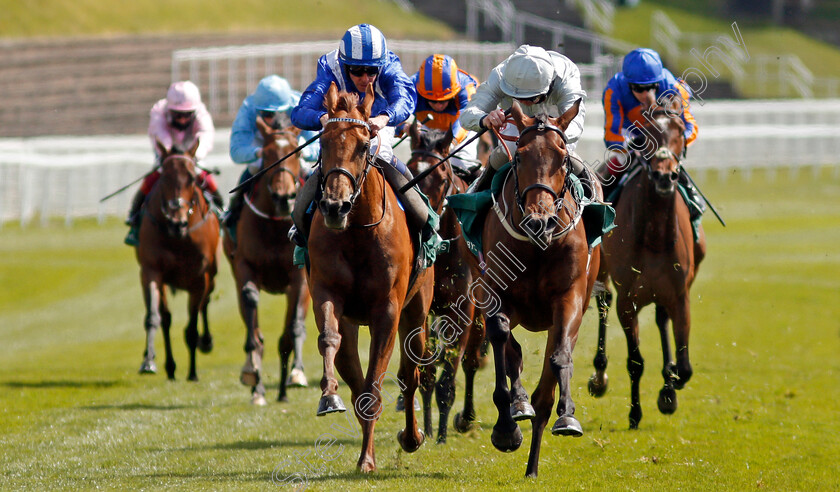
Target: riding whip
425, 120
129, 185
428, 171
711, 207
266, 169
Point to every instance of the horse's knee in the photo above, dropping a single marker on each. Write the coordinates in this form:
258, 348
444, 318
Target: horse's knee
498, 329
635, 367
250, 295
298, 328
191, 337
152, 321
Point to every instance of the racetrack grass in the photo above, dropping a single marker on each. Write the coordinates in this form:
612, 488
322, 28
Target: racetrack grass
760, 413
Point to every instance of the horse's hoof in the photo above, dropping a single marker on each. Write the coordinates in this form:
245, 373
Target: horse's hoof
282, 398
461, 423
410, 448
330, 404
506, 442
567, 426
193, 378
522, 410
296, 379
148, 367
598, 386
667, 401
205, 344
258, 399
249, 379
367, 467
635, 417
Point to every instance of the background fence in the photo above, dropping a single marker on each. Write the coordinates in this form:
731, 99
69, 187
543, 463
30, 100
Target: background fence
45, 177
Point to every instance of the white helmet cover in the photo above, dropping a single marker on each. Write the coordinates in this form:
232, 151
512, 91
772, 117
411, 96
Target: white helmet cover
528, 72
183, 96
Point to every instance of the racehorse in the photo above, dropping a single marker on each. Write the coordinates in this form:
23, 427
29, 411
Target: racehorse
261, 259
536, 226
652, 258
463, 332
360, 257
179, 235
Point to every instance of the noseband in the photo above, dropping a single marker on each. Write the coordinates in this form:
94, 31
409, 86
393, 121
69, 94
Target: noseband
179, 203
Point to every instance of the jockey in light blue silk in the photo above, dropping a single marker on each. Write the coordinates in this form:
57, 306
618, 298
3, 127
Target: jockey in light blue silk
272, 101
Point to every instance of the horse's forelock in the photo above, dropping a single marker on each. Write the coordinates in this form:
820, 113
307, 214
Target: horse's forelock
429, 138
347, 101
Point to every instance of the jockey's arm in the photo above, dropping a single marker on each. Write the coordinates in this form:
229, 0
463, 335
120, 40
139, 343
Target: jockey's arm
242, 136
205, 133
484, 101
309, 113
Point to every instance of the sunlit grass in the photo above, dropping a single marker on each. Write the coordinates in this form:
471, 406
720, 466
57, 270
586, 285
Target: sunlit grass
760, 412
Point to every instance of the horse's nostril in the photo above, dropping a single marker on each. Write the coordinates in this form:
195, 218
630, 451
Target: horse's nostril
345, 208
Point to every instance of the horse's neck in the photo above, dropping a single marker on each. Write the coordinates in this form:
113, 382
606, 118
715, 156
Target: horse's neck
655, 216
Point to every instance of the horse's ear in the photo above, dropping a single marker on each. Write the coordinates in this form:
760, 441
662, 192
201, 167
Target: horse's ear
518, 116
162, 150
331, 98
368, 102
194, 148
567, 117
446, 141
414, 133
263, 127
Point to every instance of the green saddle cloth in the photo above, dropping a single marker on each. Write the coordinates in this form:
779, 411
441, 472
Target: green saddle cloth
428, 250
472, 208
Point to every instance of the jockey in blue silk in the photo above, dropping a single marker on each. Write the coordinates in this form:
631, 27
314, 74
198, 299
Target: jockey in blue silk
272, 101
443, 90
643, 82
362, 59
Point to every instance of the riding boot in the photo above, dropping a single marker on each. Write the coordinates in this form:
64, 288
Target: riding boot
134, 218
302, 218
483, 181
416, 210
697, 204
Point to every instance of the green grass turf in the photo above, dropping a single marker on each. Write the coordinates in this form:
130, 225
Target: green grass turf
28, 18
760, 413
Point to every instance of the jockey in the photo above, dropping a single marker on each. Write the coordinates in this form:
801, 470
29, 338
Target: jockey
443, 90
176, 121
643, 82
272, 101
542, 82
362, 59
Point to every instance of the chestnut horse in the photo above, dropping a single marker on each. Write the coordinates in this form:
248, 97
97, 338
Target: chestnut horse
179, 235
462, 333
652, 258
536, 227
261, 259
360, 257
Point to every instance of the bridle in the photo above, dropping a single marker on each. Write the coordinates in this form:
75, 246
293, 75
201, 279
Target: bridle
450, 176
178, 203
357, 183
541, 126
296, 179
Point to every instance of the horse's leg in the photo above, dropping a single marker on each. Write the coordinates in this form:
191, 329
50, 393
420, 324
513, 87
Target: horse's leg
205, 343
463, 420
413, 330
520, 408
294, 333
628, 317
667, 401
166, 323
151, 322
543, 399
328, 312
506, 433
249, 298
568, 313
383, 331
603, 297
681, 322
196, 299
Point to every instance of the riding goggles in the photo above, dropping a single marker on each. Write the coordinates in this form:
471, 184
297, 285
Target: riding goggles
643, 87
359, 70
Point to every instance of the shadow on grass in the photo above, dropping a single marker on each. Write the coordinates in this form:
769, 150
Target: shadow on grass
138, 406
62, 384
381, 475
276, 444
215, 477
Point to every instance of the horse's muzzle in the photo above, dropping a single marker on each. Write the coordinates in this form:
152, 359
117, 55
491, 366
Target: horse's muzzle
539, 228
664, 183
335, 212
179, 229
282, 204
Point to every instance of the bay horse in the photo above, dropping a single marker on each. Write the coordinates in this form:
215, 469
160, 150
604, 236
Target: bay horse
652, 258
261, 259
536, 226
360, 256
462, 333
179, 235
